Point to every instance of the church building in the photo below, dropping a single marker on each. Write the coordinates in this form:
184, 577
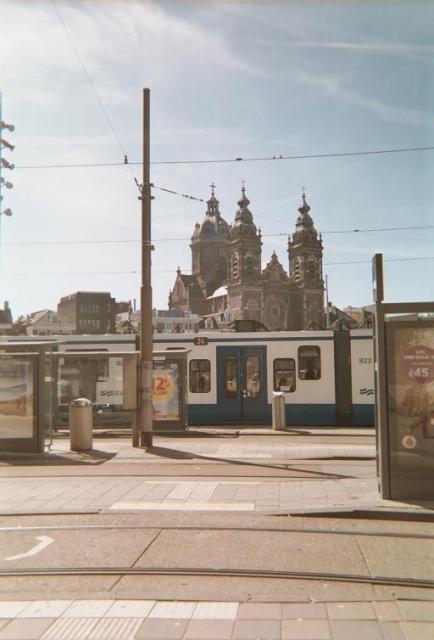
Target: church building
228, 281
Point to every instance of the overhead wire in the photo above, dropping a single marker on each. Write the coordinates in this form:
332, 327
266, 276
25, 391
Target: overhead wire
137, 271
340, 154
179, 239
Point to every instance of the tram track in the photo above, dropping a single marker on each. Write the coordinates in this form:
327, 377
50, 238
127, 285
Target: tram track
392, 581
249, 529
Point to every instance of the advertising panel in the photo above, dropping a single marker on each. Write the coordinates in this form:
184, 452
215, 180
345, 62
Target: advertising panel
16, 398
410, 349
166, 392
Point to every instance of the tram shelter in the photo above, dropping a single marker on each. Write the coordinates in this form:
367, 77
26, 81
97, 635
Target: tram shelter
27, 395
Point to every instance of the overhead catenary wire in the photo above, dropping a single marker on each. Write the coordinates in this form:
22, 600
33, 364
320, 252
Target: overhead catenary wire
137, 271
179, 239
274, 158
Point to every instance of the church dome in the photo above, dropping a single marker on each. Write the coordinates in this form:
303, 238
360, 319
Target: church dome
213, 226
304, 227
243, 217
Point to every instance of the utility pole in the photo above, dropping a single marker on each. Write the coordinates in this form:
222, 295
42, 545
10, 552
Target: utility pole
145, 378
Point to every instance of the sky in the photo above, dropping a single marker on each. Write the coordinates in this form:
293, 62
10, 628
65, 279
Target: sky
227, 80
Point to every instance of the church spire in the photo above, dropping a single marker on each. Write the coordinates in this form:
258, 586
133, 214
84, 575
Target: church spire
243, 215
213, 203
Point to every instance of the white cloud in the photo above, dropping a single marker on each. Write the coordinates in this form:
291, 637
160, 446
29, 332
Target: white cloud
331, 85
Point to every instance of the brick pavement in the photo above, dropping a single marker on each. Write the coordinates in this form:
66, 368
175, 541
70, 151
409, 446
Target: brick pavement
193, 620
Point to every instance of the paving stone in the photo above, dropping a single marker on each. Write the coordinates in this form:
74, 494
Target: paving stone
387, 611
69, 629
209, 630
216, 610
392, 631
305, 611
130, 609
115, 629
355, 630
417, 630
306, 630
259, 611
351, 611
13, 608
159, 629
87, 609
25, 628
175, 610
417, 611
256, 630
45, 609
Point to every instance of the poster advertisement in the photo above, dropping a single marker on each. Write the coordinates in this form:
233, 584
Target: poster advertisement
165, 394
410, 349
16, 398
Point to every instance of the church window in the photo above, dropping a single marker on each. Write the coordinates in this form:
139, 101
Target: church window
235, 265
284, 374
249, 265
309, 363
297, 269
200, 376
311, 267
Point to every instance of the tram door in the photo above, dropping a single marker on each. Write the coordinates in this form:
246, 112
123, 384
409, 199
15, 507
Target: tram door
241, 384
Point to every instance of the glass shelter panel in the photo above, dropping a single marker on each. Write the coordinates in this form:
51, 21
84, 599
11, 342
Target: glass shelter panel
410, 350
16, 397
309, 363
284, 374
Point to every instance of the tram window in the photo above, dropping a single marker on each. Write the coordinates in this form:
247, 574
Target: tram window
200, 376
284, 374
230, 382
309, 363
253, 377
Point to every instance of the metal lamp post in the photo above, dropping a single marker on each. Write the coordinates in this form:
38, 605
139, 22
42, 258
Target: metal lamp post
4, 163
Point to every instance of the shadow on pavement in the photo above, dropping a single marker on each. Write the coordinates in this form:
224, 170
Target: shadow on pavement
93, 456
165, 452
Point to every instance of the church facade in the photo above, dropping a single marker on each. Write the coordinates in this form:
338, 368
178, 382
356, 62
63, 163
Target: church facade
228, 280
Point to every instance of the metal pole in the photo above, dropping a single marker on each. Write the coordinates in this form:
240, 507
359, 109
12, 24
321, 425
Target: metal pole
145, 389
1, 198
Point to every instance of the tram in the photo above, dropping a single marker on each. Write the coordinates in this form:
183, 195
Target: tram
326, 377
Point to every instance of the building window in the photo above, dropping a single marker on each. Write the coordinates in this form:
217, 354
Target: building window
200, 376
309, 363
284, 374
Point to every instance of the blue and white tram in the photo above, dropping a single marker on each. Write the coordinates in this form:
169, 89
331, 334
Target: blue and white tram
325, 376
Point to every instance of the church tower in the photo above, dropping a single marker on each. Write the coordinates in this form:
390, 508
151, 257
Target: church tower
209, 248
244, 287
305, 252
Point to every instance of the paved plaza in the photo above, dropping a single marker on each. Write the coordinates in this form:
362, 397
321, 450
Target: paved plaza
164, 620
169, 537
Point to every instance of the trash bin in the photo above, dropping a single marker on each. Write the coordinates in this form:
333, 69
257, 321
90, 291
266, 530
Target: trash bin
279, 418
80, 424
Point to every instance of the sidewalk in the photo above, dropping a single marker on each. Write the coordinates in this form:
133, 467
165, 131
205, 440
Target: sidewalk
139, 619
311, 477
